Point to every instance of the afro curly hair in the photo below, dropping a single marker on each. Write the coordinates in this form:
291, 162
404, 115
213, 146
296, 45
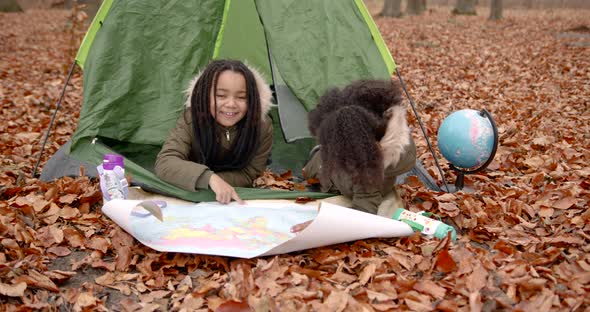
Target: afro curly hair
349, 124
376, 96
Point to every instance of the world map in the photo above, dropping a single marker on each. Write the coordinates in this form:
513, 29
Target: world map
232, 230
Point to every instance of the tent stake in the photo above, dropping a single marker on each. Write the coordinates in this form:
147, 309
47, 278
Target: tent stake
399, 76
63, 92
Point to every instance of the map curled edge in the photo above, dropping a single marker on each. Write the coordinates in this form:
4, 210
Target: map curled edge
336, 224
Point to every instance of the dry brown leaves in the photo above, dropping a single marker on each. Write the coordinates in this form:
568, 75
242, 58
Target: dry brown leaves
523, 236
284, 181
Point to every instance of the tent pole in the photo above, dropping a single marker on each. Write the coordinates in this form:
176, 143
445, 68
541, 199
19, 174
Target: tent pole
63, 92
399, 76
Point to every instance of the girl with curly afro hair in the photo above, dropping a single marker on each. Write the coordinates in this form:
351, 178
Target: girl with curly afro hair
365, 143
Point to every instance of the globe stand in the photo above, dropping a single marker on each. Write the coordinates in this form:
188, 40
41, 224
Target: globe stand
460, 181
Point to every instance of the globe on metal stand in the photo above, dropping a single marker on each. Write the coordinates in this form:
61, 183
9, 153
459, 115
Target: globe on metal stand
468, 139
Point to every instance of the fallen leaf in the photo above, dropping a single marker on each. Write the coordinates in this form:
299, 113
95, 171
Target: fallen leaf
430, 288
14, 290
449, 209
34, 278
73, 237
68, 198
299, 187
546, 212
477, 279
288, 175
60, 276
84, 301
564, 203
303, 200
106, 279
535, 162
367, 272
234, 306
39, 205
154, 295
98, 243
379, 297
444, 262
60, 251
69, 213
335, 302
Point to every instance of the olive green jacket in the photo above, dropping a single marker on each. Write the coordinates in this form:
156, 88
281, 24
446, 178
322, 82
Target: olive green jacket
399, 153
174, 166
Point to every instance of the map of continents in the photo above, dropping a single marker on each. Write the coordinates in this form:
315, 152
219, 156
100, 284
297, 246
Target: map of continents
210, 228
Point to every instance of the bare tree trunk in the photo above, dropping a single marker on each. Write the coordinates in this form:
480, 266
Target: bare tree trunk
10, 6
392, 8
465, 7
496, 10
416, 7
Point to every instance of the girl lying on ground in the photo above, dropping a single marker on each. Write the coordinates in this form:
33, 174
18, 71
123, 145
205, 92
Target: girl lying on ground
224, 137
365, 143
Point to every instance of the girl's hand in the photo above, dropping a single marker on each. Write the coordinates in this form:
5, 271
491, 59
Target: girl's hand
224, 193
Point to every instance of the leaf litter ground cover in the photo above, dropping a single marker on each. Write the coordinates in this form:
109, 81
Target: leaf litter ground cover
524, 236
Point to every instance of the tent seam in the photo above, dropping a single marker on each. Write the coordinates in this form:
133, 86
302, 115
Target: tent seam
377, 38
221, 29
90, 35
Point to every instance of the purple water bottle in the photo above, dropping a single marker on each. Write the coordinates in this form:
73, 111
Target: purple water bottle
112, 177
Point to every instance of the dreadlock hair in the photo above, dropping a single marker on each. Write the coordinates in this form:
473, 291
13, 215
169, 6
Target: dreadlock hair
349, 123
206, 148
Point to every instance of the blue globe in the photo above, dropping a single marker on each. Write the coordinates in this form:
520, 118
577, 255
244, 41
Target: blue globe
466, 139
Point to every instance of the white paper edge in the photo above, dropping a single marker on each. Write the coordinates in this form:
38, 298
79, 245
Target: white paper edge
336, 224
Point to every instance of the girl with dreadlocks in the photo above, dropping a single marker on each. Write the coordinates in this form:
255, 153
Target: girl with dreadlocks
365, 143
224, 137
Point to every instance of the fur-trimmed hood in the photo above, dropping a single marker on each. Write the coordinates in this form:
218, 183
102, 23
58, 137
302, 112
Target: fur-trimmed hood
263, 91
397, 135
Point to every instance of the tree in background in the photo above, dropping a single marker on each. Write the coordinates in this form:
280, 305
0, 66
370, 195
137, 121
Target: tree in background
10, 6
465, 7
392, 8
416, 7
496, 10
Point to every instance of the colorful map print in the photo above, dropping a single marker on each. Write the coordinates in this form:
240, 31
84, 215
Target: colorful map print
244, 231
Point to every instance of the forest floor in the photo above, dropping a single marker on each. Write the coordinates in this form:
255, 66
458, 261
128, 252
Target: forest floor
524, 234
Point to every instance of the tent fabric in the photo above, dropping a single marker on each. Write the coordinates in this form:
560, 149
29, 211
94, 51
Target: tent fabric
141, 60
139, 56
320, 44
242, 37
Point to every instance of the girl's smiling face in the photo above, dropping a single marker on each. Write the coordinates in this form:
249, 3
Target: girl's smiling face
231, 98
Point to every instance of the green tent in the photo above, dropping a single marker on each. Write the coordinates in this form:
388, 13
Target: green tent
139, 56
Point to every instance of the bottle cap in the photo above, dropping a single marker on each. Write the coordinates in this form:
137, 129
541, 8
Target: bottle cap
398, 213
442, 229
110, 161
